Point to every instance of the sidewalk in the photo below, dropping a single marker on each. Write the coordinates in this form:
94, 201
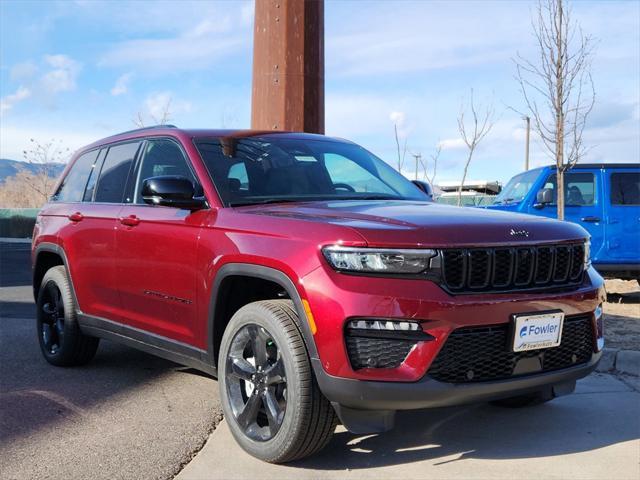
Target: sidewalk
594, 433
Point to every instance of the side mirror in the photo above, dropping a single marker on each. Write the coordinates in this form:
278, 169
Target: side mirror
171, 191
544, 197
425, 187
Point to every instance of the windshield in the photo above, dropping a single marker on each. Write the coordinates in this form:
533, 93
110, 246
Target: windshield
517, 188
255, 170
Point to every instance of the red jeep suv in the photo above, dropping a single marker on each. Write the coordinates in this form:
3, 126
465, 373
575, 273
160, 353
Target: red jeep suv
313, 280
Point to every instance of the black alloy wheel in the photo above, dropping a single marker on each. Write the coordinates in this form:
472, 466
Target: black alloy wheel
256, 382
52, 324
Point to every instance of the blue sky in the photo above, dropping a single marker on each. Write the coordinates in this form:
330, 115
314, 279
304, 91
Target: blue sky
81, 70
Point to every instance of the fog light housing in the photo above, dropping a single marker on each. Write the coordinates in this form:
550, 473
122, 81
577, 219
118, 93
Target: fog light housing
381, 343
599, 317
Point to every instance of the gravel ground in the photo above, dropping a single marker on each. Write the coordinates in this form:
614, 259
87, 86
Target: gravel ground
622, 315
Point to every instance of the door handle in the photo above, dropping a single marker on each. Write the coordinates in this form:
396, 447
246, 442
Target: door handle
590, 219
130, 221
76, 217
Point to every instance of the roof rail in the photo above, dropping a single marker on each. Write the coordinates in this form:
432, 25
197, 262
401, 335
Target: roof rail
142, 129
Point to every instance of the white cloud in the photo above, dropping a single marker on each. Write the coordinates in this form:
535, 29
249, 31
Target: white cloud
14, 139
6, 103
62, 77
24, 71
452, 144
163, 107
122, 84
194, 48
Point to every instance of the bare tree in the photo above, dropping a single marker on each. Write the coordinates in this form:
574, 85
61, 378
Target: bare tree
45, 159
402, 152
434, 168
472, 131
558, 87
162, 118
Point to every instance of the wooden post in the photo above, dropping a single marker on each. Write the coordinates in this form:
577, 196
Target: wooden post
288, 66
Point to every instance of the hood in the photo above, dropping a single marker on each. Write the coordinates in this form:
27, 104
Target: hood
407, 223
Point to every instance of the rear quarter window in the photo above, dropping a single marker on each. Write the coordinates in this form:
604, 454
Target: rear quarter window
625, 188
72, 187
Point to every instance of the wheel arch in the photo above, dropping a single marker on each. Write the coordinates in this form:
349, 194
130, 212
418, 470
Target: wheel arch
46, 256
216, 319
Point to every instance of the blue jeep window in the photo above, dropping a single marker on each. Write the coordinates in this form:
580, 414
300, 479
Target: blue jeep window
625, 188
579, 188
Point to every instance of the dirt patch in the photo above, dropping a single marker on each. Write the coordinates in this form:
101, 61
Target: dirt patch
622, 315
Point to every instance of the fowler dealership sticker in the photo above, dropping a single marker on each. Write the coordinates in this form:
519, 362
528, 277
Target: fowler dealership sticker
542, 330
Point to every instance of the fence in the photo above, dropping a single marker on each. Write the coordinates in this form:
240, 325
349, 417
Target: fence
468, 200
17, 222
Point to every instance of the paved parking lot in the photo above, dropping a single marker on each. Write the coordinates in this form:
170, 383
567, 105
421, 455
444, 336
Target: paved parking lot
125, 415
594, 433
131, 415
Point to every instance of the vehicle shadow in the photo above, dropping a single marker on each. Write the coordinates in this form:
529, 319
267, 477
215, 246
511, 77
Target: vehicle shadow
576, 423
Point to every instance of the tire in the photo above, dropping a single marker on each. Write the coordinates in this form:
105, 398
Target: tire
301, 420
522, 401
61, 341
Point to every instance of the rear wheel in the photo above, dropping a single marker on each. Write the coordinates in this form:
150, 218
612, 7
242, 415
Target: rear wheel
270, 397
61, 341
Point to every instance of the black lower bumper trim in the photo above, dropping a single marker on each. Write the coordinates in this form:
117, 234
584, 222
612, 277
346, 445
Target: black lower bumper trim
429, 393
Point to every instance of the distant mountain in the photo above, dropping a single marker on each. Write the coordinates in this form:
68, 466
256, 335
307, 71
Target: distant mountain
8, 168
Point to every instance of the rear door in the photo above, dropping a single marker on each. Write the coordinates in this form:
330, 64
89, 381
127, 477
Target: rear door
156, 251
583, 204
623, 215
89, 237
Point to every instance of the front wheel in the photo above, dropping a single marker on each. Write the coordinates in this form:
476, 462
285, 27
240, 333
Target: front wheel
270, 397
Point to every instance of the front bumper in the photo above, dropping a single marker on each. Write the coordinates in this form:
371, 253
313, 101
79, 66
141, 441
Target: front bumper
335, 298
429, 393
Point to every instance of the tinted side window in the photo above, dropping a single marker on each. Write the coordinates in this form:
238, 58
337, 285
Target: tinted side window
162, 157
625, 188
93, 176
579, 188
72, 187
115, 171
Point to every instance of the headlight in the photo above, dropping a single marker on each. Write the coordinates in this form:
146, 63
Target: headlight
587, 254
375, 260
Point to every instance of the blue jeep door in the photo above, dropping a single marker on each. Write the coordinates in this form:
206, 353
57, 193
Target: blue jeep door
583, 204
623, 222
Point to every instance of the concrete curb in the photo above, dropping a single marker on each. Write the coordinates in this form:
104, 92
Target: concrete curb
14, 240
615, 360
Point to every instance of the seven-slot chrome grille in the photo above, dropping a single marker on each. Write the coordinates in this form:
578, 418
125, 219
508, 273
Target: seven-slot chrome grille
468, 270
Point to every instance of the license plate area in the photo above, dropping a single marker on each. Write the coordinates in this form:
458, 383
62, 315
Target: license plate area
533, 331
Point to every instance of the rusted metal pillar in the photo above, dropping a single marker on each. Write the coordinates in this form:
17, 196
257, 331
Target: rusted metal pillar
288, 66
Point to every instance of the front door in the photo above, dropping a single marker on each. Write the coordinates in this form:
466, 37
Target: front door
156, 251
583, 204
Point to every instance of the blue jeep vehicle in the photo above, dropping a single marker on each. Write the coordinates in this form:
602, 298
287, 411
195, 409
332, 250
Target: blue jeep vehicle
602, 198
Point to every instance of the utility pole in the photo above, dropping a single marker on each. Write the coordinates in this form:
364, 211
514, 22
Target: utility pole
418, 158
527, 119
288, 66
